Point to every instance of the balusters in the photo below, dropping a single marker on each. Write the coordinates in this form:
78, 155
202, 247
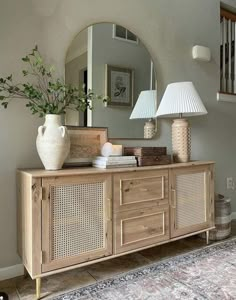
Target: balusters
234, 56
228, 54
229, 81
223, 35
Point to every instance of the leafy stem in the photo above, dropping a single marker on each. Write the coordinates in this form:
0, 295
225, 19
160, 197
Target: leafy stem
47, 95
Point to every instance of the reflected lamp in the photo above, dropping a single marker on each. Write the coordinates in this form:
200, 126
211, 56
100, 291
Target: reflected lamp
145, 108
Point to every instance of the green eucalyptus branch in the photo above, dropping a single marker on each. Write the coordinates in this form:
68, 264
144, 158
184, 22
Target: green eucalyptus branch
48, 95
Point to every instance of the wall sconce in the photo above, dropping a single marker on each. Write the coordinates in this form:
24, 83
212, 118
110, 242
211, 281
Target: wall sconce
145, 108
201, 53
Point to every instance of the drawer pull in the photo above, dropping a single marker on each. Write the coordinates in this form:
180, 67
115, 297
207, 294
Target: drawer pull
143, 190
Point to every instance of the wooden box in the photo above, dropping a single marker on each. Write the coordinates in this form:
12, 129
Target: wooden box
151, 160
145, 151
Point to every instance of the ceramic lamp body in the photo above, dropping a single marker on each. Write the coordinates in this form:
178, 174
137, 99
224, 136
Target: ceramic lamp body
181, 140
53, 143
149, 129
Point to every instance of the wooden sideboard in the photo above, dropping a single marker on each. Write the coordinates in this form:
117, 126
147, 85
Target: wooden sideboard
75, 217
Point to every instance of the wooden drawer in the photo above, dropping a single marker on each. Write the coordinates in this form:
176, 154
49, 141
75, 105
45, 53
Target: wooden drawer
139, 228
135, 190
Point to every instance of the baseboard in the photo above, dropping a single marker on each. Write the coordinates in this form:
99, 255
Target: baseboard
11, 272
233, 215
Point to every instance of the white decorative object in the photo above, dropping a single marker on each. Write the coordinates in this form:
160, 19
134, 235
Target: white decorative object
106, 149
111, 150
53, 143
181, 98
201, 53
145, 108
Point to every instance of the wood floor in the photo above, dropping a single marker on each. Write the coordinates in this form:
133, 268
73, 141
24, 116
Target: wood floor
24, 288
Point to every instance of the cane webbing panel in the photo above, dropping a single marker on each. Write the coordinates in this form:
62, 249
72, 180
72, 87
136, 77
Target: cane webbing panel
77, 219
190, 199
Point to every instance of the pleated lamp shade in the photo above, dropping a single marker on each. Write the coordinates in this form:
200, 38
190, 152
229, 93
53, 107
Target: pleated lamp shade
145, 107
181, 98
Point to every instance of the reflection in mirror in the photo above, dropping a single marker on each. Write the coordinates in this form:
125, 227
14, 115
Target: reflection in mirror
112, 61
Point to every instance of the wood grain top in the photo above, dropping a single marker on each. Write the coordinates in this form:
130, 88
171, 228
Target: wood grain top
93, 170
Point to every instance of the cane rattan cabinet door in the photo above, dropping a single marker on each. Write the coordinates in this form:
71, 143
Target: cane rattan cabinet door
191, 199
76, 220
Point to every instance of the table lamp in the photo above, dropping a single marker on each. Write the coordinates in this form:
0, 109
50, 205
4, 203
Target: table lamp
181, 98
145, 108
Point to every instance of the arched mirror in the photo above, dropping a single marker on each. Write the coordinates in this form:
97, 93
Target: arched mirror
112, 61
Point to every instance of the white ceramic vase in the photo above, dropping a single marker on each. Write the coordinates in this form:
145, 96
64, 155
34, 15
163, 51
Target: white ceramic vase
53, 142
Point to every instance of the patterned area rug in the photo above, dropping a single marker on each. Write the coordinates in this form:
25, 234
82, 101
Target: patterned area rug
208, 273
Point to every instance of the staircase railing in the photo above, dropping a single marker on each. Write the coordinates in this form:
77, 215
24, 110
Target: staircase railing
228, 52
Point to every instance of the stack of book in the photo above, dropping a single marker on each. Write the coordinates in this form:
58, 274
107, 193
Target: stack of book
114, 162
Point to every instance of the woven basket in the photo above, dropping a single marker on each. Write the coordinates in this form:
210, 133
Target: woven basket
222, 219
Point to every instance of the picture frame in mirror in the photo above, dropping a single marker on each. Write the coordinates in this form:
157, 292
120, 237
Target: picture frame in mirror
119, 85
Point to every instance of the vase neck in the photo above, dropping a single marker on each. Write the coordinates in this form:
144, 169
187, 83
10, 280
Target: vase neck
51, 118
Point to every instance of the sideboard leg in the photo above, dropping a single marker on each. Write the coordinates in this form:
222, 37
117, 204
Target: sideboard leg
38, 288
207, 237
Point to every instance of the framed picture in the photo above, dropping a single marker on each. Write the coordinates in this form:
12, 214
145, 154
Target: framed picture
119, 85
85, 143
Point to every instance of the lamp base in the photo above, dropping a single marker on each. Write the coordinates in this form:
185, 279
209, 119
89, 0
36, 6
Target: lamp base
149, 129
181, 140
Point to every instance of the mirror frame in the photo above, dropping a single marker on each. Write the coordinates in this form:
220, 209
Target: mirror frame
152, 71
